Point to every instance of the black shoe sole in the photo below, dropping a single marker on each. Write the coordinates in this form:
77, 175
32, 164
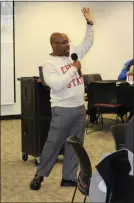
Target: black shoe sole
68, 183
35, 188
71, 185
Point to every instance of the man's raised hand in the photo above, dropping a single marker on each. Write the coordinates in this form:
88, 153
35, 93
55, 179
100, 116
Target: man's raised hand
87, 14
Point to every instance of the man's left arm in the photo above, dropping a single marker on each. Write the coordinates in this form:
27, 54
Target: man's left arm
83, 48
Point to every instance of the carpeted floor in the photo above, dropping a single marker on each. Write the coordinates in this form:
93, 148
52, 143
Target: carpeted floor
16, 174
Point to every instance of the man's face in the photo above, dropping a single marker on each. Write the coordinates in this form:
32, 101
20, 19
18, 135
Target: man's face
61, 45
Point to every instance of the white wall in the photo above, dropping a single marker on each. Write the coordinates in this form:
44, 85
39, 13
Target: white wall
7, 62
36, 21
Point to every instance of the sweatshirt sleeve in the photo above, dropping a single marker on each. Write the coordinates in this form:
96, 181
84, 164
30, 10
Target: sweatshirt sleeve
123, 74
55, 81
83, 48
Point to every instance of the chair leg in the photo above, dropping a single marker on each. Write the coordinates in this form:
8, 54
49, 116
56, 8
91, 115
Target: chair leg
126, 118
74, 194
87, 124
122, 120
100, 119
87, 191
85, 198
97, 119
117, 119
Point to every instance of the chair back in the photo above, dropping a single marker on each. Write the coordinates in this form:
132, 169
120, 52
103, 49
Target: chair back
123, 186
124, 95
97, 77
91, 77
85, 174
119, 135
123, 190
129, 141
103, 92
115, 170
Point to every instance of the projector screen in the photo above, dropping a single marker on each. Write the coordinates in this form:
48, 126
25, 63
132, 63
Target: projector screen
7, 53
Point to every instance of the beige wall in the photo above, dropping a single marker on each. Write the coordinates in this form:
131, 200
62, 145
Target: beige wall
35, 21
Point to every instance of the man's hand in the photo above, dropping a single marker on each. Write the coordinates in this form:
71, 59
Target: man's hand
77, 64
87, 14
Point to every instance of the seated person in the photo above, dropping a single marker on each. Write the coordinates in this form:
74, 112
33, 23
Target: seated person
123, 76
127, 65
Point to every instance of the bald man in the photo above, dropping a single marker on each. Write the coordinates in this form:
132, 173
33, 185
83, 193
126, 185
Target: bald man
67, 105
60, 44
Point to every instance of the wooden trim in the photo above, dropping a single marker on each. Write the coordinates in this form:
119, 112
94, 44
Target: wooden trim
10, 117
14, 52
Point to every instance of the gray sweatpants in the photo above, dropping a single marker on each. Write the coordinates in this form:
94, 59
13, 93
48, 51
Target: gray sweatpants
65, 122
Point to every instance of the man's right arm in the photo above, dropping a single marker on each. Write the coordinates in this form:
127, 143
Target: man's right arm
83, 48
87, 43
55, 81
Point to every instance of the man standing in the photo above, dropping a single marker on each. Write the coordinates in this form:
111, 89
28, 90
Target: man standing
64, 78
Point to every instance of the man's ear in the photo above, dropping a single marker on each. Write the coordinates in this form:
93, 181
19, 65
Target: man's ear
53, 45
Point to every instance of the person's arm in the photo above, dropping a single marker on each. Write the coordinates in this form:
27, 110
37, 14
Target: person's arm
55, 81
123, 74
83, 48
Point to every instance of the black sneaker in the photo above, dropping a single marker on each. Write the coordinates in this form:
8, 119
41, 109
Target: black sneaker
36, 182
68, 183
